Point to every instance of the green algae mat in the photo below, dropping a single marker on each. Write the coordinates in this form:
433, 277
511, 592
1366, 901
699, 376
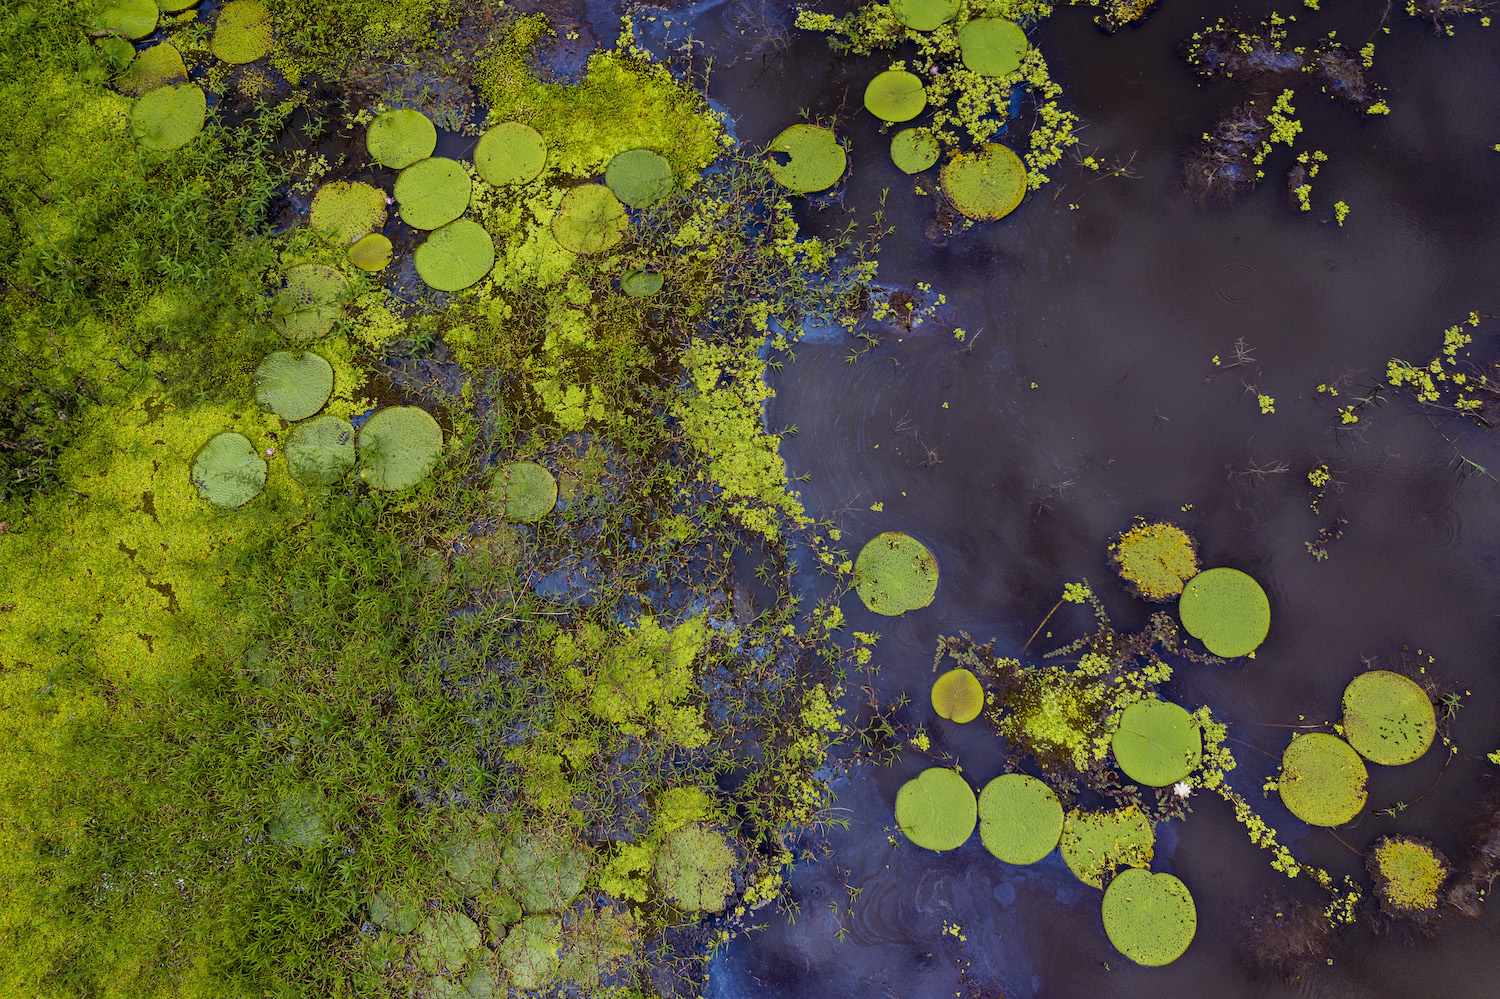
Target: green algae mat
1388, 718
1150, 918
1158, 743
937, 809
1020, 818
895, 573
1322, 780
1226, 610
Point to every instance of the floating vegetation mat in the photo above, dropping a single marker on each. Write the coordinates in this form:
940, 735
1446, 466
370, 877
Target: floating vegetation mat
1408, 875
1156, 560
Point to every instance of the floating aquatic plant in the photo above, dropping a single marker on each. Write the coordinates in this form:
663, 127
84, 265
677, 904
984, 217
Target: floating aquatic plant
371, 253
1020, 818
597, 940
524, 490
1226, 610
455, 256
445, 941
992, 46
924, 15
293, 384
543, 875
167, 118
987, 184
529, 953
131, 19
1155, 559
1322, 779
895, 573
1150, 918
308, 306
1096, 843
1408, 875
814, 159
243, 32
472, 857
159, 66
320, 452
589, 220
694, 868
937, 809
639, 283
299, 820
639, 177
1388, 718
958, 696
913, 150
510, 153
228, 472
1158, 743
394, 911
433, 192
118, 54
397, 139
398, 447
345, 210
895, 95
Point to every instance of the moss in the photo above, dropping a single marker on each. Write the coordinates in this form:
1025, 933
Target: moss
1408, 874
1155, 559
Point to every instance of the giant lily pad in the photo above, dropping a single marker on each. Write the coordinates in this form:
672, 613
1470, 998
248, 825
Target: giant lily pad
1322, 779
398, 447
159, 66
924, 15
638, 283
589, 220
958, 695
433, 192
1158, 743
1388, 718
372, 252
132, 19
167, 118
472, 857
345, 210
694, 868
320, 452
228, 472
529, 953
544, 875
1150, 918
175, 6
937, 809
455, 256
299, 821
525, 490
913, 150
510, 153
243, 32
639, 177
895, 95
293, 384
895, 573
1408, 875
985, 185
1096, 843
308, 306
1226, 610
814, 160
445, 941
397, 139
1155, 560
992, 46
394, 911
1020, 818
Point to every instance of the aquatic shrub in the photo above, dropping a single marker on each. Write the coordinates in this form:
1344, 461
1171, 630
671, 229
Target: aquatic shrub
133, 19
1388, 718
937, 809
168, 118
1020, 818
394, 911
992, 46
1322, 779
398, 447
524, 490
589, 220
445, 941
1158, 743
309, 305
985, 185
530, 952
913, 150
895, 95
639, 177
293, 384
924, 15
345, 210
371, 253
432, 192
1150, 918
398, 139
158, 66
958, 696
320, 452
1226, 610
1408, 874
694, 868
243, 32
455, 256
1096, 843
510, 153
813, 159
895, 573
638, 283
228, 472
1155, 560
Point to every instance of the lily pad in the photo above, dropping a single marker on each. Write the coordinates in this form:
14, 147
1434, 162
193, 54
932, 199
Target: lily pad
167, 118
1408, 875
913, 150
694, 868
299, 820
243, 32
937, 809
398, 447
1322, 779
397, 139
118, 54
320, 452
345, 210
1096, 843
445, 941
433, 192
159, 66
228, 472
639, 283
371, 253
1158, 743
1226, 610
131, 19
1388, 718
895, 95
175, 6
813, 159
992, 46
924, 15
1156, 560
1150, 918
639, 177
293, 384
510, 153
1020, 818
525, 490
393, 911
544, 875
589, 220
958, 696
308, 306
455, 256
985, 185
472, 857
529, 953
895, 573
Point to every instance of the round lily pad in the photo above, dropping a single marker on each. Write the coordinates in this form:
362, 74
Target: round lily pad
371, 253
1226, 610
992, 46
1408, 875
913, 150
320, 452
397, 139
529, 953
293, 384
118, 54
393, 911
228, 472
639, 177
1388, 718
695, 869
433, 192
445, 941
806, 158
1150, 918
895, 573
1155, 560
937, 809
510, 153
175, 6
895, 95
243, 32
924, 15
455, 256
299, 820
1158, 743
308, 306
132, 19
1322, 779
525, 490
345, 210
167, 118
985, 185
958, 695
639, 283
398, 447
1020, 818
159, 66
589, 220
1096, 843
544, 875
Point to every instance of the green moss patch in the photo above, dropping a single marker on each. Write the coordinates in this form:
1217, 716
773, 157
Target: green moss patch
530, 952
695, 869
167, 118
590, 219
639, 283
397, 139
1096, 843
985, 185
345, 210
433, 192
992, 46
293, 384
455, 256
639, 177
1158, 743
1226, 610
913, 150
895, 95
510, 153
1322, 779
159, 66
371, 253
309, 305
806, 158
524, 490
1150, 918
937, 809
1020, 818
243, 32
131, 19
924, 15
228, 472
1408, 875
958, 696
398, 447
320, 452
1388, 718
895, 573
1156, 560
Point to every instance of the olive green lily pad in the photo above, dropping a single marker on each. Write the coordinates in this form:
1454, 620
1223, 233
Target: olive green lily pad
393, 911
175, 6
815, 160
371, 253
589, 220
472, 858
445, 941
159, 66
131, 19
695, 869
1150, 918
992, 46
320, 452
895, 95
913, 150
639, 177
530, 952
1322, 779
167, 118
639, 283
895, 573
345, 210
510, 153
958, 695
293, 384
308, 306
985, 185
299, 820
1156, 560
397, 139
1388, 718
228, 472
1408, 875
1158, 743
243, 32
398, 447
1096, 843
544, 875
433, 192
924, 15
118, 54
937, 809
1226, 610
525, 490
599, 938
455, 256
1020, 818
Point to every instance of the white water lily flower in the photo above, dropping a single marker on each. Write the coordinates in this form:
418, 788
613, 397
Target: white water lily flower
1182, 789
